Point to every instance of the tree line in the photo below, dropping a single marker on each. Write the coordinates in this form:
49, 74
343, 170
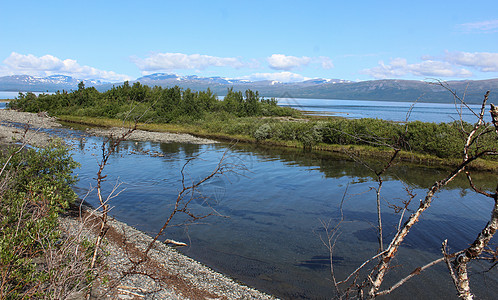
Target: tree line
247, 114
156, 104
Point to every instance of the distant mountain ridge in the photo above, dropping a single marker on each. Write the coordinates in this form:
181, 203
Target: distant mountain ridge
27, 83
388, 89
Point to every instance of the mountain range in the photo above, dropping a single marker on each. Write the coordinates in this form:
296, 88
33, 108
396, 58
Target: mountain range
387, 89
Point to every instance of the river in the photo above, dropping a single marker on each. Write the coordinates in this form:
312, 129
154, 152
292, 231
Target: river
271, 215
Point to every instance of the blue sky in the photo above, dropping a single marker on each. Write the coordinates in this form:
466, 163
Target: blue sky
276, 40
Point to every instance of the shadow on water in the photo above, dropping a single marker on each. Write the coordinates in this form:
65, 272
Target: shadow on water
270, 236
190, 150
320, 262
334, 165
423, 236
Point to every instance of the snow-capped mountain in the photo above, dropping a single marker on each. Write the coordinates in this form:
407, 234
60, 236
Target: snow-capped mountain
219, 84
173, 78
389, 89
27, 83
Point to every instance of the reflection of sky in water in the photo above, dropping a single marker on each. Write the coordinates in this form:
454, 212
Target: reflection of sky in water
387, 110
270, 238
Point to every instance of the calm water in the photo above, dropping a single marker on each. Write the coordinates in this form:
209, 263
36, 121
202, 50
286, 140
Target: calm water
269, 237
8, 95
13, 95
387, 110
273, 213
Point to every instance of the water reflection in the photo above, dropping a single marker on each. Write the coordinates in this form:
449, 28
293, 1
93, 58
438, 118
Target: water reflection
336, 166
270, 238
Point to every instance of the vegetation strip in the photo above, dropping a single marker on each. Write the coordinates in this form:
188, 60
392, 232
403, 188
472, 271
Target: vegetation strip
357, 150
246, 117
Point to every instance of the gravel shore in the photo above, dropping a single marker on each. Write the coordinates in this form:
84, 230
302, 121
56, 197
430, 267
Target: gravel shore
167, 274
32, 121
160, 137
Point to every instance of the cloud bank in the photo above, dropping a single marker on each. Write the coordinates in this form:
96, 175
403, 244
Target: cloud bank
452, 64
50, 65
483, 26
280, 76
399, 67
170, 62
285, 62
180, 61
288, 62
483, 61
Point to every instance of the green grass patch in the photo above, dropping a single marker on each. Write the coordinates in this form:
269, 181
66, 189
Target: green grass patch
240, 133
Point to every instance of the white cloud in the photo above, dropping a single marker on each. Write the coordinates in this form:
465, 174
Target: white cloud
483, 26
325, 62
280, 76
483, 61
286, 62
50, 65
176, 61
399, 67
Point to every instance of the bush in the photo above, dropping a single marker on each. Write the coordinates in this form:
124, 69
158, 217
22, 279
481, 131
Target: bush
35, 187
263, 132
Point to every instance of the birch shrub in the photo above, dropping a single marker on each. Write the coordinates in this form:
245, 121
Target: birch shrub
35, 187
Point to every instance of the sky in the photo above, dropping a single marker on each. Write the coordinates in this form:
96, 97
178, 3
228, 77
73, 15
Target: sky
256, 40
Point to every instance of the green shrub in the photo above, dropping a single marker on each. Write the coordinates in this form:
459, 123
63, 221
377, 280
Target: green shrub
263, 132
35, 188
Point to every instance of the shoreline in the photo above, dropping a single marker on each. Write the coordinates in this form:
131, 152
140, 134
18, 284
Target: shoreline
33, 122
176, 276
170, 274
363, 151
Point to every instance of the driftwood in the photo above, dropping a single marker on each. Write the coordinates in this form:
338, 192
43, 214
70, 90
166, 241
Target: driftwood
175, 243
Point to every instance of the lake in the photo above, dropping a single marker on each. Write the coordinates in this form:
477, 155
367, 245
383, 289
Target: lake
8, 95
386, 110
13, 95
273, 213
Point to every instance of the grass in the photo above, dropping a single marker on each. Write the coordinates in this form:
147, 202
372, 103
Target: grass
357, 150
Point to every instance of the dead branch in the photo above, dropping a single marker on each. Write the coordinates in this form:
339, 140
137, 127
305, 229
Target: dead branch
462, 283
392, 249
494, 116
331, 238
107, 151
175, 243
461, 279
109, 146
415, 272
399, 237
370, 287
183, 206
